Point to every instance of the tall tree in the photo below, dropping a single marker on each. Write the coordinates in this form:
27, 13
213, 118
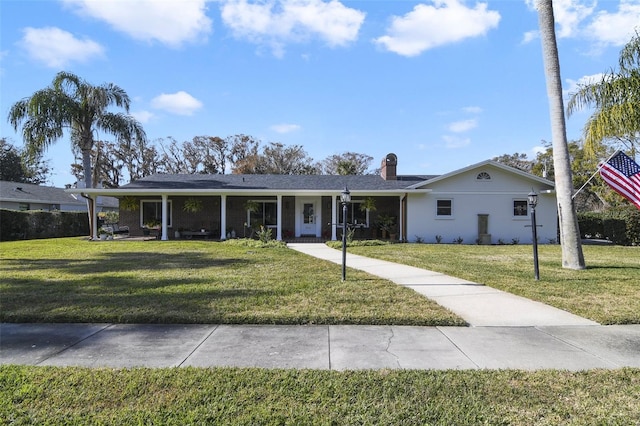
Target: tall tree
518, 161
347, 163
15, 166
214, 152
71, 104
572, 256
616, 98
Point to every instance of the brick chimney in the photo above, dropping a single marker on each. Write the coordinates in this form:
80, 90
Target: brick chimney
388, 167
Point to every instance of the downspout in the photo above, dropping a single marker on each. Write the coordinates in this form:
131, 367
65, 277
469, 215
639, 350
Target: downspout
93, 216
404, 218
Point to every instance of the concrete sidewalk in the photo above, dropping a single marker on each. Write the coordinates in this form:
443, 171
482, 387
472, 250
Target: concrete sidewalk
477, 304
335, 347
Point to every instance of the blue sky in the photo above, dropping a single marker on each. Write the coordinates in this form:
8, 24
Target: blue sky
442, 83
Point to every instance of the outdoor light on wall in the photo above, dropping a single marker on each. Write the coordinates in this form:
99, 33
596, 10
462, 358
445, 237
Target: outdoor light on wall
533, 202
345, 197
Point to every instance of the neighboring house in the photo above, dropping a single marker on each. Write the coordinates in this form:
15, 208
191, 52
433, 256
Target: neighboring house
26, 196
484, 203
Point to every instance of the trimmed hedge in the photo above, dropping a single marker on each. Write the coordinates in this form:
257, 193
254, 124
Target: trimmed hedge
618, 226
29, 225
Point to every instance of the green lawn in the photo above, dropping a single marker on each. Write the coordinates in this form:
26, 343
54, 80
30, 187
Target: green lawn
127, 281
74, 280
608, 291
189, 396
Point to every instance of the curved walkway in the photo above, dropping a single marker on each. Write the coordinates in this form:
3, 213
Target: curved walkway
477, 304
506, 332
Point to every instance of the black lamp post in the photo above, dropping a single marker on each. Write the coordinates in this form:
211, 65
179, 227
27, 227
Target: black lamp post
345, 196
533, 202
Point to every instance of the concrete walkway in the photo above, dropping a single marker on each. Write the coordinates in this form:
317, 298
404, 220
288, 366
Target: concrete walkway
477, 304
506, 332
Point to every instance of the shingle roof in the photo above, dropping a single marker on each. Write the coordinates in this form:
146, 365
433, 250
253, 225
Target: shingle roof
27, 192
274, 182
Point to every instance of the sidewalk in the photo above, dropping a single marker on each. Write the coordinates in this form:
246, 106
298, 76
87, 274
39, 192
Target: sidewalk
506, 332
335, 347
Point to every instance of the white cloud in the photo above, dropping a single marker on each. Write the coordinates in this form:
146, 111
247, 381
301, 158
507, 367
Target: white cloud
529, 36
581, 19
455, 142
142, 116
278, 22
472, 109
430, 26
57, 48
285, 128
572, 85
180, 103
569, 14
463, 125
171, 22
616, 28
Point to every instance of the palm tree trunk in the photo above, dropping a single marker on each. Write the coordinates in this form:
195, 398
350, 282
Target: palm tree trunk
572, 256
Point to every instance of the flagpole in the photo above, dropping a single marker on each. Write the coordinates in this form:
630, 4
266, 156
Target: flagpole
593, 175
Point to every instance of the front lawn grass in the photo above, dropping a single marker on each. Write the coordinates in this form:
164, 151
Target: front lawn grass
74, 280
608, 291
229, 396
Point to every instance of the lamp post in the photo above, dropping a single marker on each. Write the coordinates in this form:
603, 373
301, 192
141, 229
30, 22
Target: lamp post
533, 202
345, 196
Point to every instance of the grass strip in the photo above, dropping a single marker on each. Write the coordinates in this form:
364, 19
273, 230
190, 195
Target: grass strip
177, 396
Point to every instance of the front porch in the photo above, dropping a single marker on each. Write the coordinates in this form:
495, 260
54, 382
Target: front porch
303, 218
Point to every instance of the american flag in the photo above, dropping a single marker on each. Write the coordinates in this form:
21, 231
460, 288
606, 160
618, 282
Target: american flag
622, 174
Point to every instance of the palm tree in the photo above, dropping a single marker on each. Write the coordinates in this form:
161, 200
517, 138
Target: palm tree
616, 98
572, 256
71, 104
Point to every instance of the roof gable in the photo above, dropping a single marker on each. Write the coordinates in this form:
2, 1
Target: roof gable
485, 166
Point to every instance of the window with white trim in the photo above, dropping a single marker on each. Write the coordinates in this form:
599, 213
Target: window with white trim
444, 208
483, 176
265, 212
520, 208
151, 212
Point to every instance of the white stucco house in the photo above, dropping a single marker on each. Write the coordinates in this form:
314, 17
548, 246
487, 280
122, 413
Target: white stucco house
485, 203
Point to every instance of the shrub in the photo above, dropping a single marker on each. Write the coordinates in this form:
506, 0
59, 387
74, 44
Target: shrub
26, 225
620, 226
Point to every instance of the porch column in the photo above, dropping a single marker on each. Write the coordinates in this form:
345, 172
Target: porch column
165, 217
334, 217
403, 215
279, 219
223, 216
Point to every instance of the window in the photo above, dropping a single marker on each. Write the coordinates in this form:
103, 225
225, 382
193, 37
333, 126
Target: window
355, 215
444, 208
483, 176
520, 208
265, 213
151, 212
23, 207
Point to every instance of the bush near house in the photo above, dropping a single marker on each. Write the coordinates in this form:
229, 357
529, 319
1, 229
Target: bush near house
28, 225
618, 226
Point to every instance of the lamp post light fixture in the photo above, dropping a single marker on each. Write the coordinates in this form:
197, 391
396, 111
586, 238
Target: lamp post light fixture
345, 197
533, 202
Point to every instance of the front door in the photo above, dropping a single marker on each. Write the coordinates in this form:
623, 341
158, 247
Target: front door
308, 217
